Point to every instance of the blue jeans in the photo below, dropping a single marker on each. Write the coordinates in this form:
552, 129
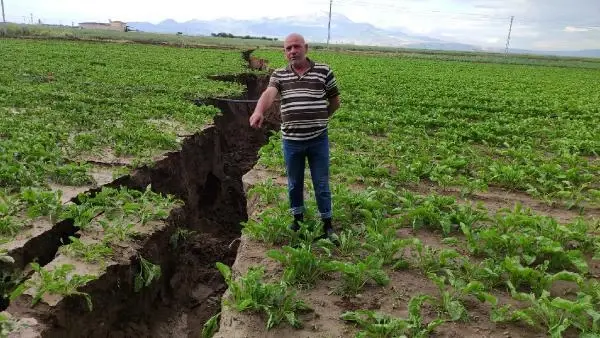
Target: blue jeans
295, 154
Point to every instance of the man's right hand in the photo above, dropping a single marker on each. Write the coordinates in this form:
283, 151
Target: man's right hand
264, 102
256, 120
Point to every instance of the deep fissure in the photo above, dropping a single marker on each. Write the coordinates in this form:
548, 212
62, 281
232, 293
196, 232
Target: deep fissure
207, 175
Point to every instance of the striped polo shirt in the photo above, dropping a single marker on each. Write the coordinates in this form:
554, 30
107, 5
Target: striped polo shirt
304, 100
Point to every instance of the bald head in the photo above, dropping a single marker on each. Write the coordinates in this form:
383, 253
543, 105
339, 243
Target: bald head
294, 37
295, 49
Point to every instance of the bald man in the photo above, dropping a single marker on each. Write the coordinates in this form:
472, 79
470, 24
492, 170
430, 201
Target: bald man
309, 97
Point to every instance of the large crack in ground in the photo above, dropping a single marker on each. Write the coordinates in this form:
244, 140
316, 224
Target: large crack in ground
215, 206
207, 175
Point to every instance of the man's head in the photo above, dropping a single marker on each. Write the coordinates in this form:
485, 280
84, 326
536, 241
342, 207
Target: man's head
295, 49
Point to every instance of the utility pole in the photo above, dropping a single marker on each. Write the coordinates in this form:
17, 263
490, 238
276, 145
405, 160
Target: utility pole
508, 38
329, 24
31, 15
3, 17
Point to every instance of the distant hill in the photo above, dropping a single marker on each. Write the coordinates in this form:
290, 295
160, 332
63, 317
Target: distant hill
314, 28
593, 53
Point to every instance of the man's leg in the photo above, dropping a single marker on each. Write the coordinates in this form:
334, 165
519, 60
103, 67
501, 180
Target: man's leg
318, 160
294, 154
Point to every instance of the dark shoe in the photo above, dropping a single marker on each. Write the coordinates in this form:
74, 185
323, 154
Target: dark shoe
328, 231
330, 235
296, 225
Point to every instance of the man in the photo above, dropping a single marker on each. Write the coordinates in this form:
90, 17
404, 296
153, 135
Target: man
309, 96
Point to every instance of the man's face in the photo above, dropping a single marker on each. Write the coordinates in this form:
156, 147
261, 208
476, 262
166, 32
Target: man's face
295, 49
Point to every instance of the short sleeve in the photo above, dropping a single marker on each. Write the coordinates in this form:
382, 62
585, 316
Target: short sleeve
274, 81
331, 87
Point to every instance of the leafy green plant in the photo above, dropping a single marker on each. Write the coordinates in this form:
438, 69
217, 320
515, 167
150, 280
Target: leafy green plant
10, 226
117, 229
89, 252
303, 266
71, 174
556, 314
431, 259
7, 325
432, 212
271, 227
9, 204
180, 235
377, 220
449, 303
249, 293
268, 191
115, 205
385, 244
148, 273
487, 271
376, 325
211, 326
535, 278
417, 327
356, 275
42, 203
57, 281
82, 214
348, 243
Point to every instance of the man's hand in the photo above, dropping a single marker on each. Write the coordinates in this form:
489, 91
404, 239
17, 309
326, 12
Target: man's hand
334, 104
256, 120
264, 102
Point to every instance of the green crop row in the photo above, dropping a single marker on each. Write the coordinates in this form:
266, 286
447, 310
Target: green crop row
513, 252
462, 124
65, 105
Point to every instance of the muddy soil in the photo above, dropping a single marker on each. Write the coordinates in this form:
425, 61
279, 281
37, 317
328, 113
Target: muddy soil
214, 209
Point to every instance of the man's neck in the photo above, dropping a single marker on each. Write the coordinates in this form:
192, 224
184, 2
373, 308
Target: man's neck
302, 68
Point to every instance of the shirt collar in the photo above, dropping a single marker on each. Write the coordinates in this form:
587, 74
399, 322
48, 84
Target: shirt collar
310, 62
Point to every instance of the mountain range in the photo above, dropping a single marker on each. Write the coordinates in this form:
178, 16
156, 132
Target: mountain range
314, 28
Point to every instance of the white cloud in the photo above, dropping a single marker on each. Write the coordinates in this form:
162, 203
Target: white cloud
571, 29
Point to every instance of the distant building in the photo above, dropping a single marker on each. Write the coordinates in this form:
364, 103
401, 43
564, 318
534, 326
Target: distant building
111, 25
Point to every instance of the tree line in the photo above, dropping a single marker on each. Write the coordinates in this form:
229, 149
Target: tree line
229, 35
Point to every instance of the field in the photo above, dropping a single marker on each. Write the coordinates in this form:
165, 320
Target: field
466, 195
466, 201
109, 160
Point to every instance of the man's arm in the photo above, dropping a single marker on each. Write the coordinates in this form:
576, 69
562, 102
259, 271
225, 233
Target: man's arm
334, 104
264, 103
332, 92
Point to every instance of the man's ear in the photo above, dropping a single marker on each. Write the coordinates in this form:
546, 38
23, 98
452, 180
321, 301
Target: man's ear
306, 47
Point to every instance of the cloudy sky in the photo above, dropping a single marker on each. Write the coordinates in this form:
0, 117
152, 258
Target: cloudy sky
539, 24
